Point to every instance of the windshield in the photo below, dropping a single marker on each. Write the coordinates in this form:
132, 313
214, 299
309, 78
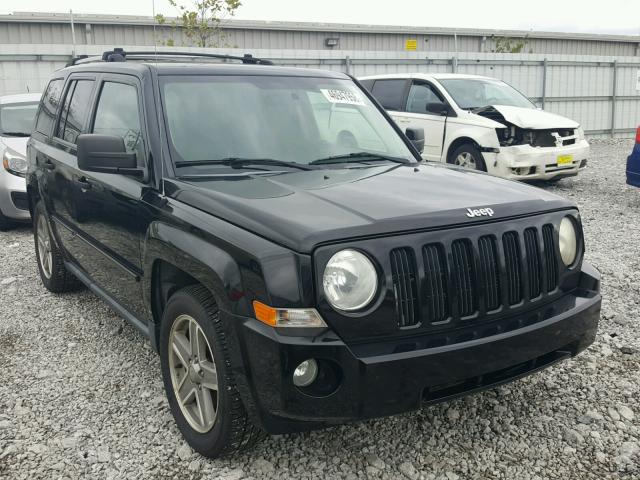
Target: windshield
472, 93
17, 119
279, 119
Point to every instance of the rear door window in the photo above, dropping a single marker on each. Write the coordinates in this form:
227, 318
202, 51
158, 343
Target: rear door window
74, 110
49, 106
390, 93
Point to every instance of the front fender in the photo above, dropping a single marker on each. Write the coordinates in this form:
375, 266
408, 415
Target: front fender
210, 265
485, 137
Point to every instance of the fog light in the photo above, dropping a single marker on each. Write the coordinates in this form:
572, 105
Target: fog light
305, 373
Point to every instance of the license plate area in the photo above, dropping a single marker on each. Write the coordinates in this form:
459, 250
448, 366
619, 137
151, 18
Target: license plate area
564, 160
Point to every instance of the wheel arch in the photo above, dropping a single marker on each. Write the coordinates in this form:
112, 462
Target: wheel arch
172, 268
458, 142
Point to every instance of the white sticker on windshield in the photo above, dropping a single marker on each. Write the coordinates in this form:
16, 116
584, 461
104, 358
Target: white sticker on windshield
342, 96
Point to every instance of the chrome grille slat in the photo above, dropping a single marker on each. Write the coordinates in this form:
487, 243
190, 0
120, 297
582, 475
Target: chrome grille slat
512, 261
491, 270
551, 259
405, 286
436, 284
463, 268
533, 262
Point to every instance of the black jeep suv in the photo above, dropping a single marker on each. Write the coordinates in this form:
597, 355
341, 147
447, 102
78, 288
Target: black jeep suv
286, 251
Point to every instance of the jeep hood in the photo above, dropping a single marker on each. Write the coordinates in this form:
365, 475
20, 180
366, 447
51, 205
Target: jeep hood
529, 118
301, 210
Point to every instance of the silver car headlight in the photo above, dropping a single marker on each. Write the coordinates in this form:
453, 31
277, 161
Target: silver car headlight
350, 280
14, 162
568, 240
580, 133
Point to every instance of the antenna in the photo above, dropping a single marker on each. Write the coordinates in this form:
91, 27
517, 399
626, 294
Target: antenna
159, 119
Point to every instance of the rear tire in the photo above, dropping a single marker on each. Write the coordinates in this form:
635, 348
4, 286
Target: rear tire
468, 156
55, 277
196, 370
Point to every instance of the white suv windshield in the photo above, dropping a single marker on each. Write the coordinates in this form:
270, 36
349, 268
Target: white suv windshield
290, 119
472, 93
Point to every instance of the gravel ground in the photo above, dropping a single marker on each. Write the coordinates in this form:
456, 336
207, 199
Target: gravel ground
81, 394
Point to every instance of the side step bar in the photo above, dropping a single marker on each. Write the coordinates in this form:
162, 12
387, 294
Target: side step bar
119, 309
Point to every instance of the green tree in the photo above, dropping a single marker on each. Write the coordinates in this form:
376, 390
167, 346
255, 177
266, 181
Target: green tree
509, 45
201, 21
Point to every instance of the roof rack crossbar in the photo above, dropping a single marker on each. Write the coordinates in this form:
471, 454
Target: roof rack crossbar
119, 55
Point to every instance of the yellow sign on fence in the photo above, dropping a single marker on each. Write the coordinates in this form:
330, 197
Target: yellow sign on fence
411, 44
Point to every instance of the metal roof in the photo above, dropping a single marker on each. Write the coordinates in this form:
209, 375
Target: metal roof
46, 17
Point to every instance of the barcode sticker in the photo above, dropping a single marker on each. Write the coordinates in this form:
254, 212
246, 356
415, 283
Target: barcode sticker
342, 96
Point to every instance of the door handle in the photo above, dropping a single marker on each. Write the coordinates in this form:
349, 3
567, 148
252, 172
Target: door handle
84, 184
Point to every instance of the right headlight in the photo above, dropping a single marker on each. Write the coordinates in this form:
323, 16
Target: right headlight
568, 240
350, 280
14, 162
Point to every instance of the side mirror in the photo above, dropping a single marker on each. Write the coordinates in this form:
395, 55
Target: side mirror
106, 154
438, 108
416, 135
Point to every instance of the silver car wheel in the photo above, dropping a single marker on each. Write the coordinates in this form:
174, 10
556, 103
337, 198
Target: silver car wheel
44, 247
193, 373
466, 159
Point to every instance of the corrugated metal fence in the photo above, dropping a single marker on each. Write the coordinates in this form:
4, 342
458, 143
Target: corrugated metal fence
602, 93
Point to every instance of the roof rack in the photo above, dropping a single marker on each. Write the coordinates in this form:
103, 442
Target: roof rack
119, 55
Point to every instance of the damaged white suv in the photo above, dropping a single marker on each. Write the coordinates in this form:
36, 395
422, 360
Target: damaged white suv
482, 123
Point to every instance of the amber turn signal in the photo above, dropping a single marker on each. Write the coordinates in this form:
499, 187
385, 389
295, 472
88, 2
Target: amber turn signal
288, 317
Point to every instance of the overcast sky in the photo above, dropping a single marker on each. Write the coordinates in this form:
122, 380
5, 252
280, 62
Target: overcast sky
591, 16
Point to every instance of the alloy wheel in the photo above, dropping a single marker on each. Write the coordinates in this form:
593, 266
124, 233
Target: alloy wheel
194, 375
44, 247
466, 159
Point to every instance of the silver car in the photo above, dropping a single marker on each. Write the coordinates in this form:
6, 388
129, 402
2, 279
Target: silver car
17, 114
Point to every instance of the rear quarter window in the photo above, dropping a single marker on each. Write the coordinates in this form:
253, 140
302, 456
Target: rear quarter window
49, 106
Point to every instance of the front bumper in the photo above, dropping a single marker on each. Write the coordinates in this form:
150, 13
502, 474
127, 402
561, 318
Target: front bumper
13, 196
524, 162
390, 378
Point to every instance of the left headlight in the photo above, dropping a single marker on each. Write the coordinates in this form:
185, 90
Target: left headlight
14, 162
350, 280
568, 240
580, 133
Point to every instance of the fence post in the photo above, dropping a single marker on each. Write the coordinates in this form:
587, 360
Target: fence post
347, 65
544, 82
614, 91
454, 64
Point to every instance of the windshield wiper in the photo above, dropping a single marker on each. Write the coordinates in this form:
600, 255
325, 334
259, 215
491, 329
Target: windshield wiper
236, 162
358, 157
15, 134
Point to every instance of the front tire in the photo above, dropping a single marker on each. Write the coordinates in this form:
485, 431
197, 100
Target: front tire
468, 156
196, 371
54, 275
